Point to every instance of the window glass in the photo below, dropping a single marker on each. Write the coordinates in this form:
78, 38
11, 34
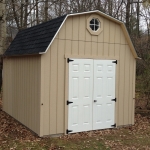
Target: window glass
94, 24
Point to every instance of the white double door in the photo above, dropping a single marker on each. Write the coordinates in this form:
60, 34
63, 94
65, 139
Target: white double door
91, 91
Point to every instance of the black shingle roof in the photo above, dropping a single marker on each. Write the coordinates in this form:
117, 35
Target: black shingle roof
35, 39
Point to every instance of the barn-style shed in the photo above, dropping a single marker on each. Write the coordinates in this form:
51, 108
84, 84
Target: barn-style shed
71, 74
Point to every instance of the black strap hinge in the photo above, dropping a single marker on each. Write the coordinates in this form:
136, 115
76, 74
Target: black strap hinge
114, 99
69, 60
114, 61
68, 131
68, 102
114, 125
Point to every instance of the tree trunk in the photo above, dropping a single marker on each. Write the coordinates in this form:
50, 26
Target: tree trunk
2, 36
131, 19
46, 10
15, 14
138, 20
99, 5
110, 7
60, 7
26, 14
2, 27
37, 12
117, 12
21, 18
128, 15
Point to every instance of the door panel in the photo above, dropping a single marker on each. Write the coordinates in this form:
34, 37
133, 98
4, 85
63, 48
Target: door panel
91, 89
80, 93
103, 93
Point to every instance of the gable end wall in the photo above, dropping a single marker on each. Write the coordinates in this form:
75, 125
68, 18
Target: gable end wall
75, 41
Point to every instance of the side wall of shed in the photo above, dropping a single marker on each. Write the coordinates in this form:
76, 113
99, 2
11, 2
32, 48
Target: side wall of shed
21, 90
75, 41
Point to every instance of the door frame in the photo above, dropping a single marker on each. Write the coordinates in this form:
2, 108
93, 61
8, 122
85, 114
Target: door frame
67, 82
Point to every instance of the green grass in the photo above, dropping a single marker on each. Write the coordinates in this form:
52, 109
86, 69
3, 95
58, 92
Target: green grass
47, 143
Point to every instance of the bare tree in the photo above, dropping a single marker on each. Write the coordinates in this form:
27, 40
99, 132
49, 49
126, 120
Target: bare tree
2, 27
46, 10
37, 12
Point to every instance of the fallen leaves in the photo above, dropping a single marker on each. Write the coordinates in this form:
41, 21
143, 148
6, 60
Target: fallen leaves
127, 138
120, 138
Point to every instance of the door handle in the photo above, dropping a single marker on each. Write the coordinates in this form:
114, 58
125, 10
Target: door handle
95, 101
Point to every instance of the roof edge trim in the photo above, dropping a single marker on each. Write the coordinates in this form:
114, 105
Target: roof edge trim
54, 36
128, 38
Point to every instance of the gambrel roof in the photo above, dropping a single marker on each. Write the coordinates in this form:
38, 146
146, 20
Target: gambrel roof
38, 39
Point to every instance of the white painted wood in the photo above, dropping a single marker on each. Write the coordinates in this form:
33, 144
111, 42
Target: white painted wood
103, 93
80, 93
91, 80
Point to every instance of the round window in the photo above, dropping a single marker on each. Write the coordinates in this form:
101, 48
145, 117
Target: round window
94, 24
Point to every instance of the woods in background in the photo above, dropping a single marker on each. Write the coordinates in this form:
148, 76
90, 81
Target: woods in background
26, 13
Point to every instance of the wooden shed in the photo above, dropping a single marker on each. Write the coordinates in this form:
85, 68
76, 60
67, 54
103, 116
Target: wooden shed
71, 74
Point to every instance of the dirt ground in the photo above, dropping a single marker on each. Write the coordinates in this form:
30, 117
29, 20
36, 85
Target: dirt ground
14, 135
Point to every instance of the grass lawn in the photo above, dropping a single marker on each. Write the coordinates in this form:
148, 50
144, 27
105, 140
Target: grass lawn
54, 143
14, 136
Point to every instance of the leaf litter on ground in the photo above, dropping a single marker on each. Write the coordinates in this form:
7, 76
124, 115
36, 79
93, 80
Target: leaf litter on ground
137, 136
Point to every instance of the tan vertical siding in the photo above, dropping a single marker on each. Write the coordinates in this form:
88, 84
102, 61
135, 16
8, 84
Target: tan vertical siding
94, 48
88, 36
53, 88
112, 32
87, 50
101, 37
74, 40
62, 34
75, 26
106, 49
131, 92
121, 85
111, 50
133, 83
21, 90
82, 28
94, 38
60, 85
75, 48
106, 30
45, 83
7, 81
126, 86
117, 34
53, 83
81, 47
68, 29
117, 52
100, 49
123, 40
68, 45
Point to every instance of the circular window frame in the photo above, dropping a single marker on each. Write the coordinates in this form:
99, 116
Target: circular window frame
97, 32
